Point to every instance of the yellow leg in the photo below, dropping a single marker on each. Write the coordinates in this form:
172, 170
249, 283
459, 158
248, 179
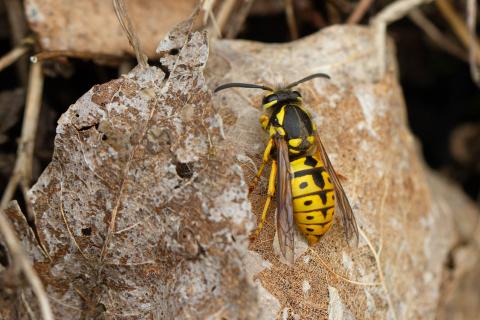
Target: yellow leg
266, 158
271, 193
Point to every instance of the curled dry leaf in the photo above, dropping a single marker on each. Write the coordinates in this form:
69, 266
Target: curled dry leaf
408, 228
143, 211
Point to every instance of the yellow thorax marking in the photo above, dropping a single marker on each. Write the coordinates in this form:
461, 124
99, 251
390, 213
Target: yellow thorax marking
295, 142
264, 121
271, 103
281, 115
274, 130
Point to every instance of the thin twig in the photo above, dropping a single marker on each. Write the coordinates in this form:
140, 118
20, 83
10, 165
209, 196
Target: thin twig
126, 23
22, 171
473, 46
389, 14
58, 54
457, 24
292, 23
215, 24
343, 5
436, 35
21, 261
18, 31
380, 272
224, 12
207, 7
236, 20
359, 11
13, 56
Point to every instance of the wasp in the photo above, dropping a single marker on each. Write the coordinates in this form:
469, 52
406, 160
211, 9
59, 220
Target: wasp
302, 177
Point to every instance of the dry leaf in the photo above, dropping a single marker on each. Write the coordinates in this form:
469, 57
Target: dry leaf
143, 213
408, 227
92, 27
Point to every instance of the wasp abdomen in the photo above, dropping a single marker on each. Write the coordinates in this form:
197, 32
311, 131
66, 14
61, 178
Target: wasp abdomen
313, 197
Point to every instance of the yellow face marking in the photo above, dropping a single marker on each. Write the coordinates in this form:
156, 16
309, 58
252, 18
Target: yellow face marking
310, 139
280, 131
295, 142
293, 151
271, 103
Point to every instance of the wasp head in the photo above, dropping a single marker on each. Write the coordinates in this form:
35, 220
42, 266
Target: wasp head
280, 97
275, 97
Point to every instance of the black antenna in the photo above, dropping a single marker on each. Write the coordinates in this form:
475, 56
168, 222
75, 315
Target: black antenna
310, 77
241, 85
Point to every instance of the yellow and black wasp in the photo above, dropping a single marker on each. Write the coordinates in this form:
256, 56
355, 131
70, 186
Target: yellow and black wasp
302, 177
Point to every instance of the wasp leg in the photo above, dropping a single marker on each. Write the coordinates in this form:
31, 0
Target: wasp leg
266, 158
271, 193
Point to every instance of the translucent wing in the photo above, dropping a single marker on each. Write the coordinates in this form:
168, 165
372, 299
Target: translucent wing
346, 212
285, 225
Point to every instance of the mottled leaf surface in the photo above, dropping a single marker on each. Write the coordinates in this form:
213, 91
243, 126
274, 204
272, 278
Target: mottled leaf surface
142, 211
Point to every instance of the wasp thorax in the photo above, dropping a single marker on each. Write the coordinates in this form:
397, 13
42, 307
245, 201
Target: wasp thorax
280, 97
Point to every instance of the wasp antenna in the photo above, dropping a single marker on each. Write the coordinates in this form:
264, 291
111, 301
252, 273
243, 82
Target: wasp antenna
310, 77
241, 85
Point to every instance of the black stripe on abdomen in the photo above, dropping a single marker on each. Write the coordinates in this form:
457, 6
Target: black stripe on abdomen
316, 174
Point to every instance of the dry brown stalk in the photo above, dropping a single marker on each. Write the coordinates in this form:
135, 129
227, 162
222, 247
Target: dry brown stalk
457, 24
19, 30
389, 14
292, 23
224, 13
22, 172
21, 261
58, 54
473, 47
359, 11
127, 25
207, 7
436, 35
13, 56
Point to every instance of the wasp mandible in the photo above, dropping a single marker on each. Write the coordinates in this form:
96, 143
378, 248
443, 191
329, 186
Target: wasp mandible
302, 176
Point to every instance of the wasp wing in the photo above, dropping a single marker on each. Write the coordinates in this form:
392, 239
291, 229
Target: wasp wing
285, 224
348, 218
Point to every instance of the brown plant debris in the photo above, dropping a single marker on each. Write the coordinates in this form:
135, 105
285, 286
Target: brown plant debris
143, 211
91, 26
